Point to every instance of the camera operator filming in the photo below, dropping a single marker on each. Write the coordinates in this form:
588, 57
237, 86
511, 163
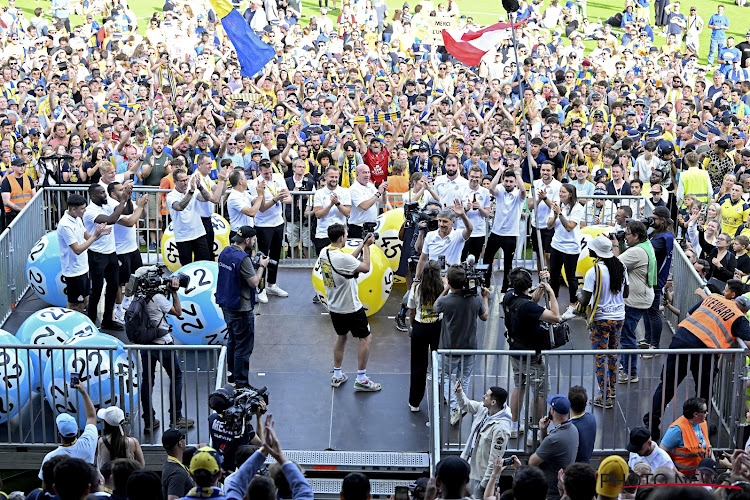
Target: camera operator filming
230, 426
235, 294
146, 323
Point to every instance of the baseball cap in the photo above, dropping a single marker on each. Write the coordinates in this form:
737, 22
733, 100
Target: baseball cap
18, 162
638, 437
256, 152
171, 437
662, 212
317, 112
66, 425
255, 138
707, 464
600, 172
243, 233
370, 132
113, 415
206, 458
33, 131
559, 403
612, 476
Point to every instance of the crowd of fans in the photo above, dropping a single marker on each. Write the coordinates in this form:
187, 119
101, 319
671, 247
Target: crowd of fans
366, 116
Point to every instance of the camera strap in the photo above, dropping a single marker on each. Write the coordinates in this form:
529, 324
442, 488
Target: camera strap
330, 261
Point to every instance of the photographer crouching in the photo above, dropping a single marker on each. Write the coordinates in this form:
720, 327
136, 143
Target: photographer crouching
145, 323
239, 276
230, 426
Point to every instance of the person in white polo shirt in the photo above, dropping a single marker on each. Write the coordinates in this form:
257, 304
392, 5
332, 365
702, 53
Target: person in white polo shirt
477, 202
445, 241
505, 227
74, 240
189, 233
332, 205
269, 224
365, 197
103, 261
241, 204
214, 190
451, 185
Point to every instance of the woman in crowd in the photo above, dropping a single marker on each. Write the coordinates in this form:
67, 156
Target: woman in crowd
723, 262
115, 442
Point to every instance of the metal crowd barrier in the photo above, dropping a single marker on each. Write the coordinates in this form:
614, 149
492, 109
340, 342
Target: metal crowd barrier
566, 368
15, 244
112, 377
688, 280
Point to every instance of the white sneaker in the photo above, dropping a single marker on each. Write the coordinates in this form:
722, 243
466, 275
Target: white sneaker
568, 314
262, 297
530, 438
276, 290
515, 432
118, 315
455, 416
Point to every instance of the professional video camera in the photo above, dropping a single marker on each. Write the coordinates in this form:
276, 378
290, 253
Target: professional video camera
369, 227
149, 281
647, 221
413, 216
474, 276
245, 403
272, 264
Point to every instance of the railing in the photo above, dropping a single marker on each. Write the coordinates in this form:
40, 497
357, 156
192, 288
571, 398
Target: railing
15, 244
564, 369
686, 280
113, 376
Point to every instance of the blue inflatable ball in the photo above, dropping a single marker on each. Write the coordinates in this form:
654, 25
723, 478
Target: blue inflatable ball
49, 327
44, 271
109, 376
16, 378
202, 322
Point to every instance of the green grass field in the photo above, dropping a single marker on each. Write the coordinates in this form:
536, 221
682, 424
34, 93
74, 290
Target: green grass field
480, 11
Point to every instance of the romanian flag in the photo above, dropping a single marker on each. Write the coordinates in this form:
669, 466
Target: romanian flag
252, 53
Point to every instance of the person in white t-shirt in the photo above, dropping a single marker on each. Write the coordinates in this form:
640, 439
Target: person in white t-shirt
505, 227
643, 449
72, 445
605, 287
102, 255
477, 203
242, 205
215, 191
189, 232
269, 224
365, 197
451, 185
339, 271
445, 241
74, 240
332, 205
550, 187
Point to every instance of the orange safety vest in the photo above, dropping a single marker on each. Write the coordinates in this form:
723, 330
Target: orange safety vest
166, 183
19, 195
712, 321
686, 459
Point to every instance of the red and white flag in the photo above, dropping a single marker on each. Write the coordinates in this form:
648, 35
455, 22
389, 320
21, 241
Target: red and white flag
469, 47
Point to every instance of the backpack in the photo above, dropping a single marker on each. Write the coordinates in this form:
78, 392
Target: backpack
540, 338
138, 327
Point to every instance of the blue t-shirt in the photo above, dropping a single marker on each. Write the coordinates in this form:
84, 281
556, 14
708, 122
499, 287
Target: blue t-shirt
718, 20
586, 425
673, 437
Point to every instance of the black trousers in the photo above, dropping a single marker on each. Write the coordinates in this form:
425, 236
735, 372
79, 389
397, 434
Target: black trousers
209, 237
494, 243
425, 338
103, 265
270, 240
557, 260
192, 250
473, 247
320, 244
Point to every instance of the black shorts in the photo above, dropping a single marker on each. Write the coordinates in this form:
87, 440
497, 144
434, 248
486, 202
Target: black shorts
355, 322
77, 288
129, 262
547, 235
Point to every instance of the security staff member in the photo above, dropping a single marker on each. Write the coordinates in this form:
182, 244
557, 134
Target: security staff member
686, 440
235, 294
17, 190
714, 323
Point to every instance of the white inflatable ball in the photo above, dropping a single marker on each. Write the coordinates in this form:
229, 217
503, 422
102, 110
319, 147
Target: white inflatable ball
110, 376
44, 271
17, 380
202, 322
50, 327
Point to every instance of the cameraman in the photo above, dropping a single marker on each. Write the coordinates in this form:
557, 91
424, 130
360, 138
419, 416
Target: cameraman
528, 317
235, 294
222, 439
662, 240
459, 329
158, 306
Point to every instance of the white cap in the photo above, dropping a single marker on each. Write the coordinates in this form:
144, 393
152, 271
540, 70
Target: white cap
113, 415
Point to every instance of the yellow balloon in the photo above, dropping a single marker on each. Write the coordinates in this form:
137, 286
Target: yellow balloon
169, 246
389, 225
374, 287
584, 260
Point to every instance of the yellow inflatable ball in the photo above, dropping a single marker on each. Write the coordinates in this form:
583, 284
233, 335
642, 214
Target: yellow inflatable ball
585, 262
389, 224
169, 246
374, 287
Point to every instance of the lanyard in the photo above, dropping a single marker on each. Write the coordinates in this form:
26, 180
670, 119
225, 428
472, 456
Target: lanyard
175, 461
